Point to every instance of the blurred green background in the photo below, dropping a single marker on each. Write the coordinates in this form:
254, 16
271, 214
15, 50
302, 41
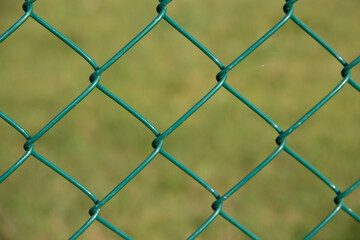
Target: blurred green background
99, 143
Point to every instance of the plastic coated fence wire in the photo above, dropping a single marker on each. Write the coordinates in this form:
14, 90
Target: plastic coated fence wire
221, 77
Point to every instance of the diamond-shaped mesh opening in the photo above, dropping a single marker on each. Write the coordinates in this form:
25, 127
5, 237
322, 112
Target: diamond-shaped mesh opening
43, 88
124, 143
146, 73
208, 131
162, 199
292, 75
88, 22
262, 205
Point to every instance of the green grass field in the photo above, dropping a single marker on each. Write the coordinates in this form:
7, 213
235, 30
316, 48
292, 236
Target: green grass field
99, 143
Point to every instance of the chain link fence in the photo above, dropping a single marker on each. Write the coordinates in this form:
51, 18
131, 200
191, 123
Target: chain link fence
220, 84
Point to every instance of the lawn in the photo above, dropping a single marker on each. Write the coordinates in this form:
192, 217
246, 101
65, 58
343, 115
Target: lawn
99, 143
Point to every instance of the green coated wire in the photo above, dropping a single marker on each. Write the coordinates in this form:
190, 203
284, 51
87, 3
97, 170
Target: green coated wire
16, 25
160, 138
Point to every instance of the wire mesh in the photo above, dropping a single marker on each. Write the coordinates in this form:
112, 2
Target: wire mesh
160, 137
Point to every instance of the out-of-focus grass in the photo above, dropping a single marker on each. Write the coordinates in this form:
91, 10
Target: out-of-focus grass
99, 143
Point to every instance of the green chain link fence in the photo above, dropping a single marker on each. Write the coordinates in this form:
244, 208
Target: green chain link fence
160, 137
